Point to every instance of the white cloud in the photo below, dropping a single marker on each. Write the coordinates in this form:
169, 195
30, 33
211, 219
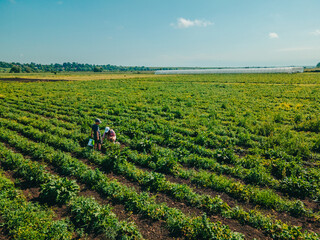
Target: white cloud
59, 2
273, 35
186, 23
316, 32
12, 1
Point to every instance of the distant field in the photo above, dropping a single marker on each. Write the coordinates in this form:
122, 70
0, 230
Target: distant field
233, 156
76, 76
83, 76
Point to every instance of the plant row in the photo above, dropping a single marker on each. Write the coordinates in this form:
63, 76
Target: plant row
87, 214
177, 222
265, 198
237, 134
157, 182
229, 138
291, 172
303, 186
28, 220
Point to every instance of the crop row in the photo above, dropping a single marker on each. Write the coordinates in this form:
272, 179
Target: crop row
280, 168
157, 182
300, 187
86, 213
167, 134
238, 134
176, 221
27, 220
264, 198
212, 141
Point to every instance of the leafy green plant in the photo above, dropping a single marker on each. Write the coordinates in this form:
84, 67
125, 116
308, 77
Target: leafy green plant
297, 187
58, 190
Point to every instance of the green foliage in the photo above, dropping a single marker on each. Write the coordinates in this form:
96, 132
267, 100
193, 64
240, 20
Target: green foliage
58, 190
88, 214
266, 129
97, 69
27, 220
15, 69
316, 146
251, 137
296, 187
312, 125
74, 67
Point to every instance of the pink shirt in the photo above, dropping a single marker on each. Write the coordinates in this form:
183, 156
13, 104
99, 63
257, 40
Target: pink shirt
112, 133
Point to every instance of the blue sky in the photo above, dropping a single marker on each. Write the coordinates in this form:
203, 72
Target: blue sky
205, 33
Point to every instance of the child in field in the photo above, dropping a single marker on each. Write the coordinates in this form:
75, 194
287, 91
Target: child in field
96, 135
110, 135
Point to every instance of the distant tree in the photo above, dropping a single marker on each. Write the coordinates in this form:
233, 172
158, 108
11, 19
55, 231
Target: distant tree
28, 69
5, 65
15, 69
73, 67
318, 65
97, 69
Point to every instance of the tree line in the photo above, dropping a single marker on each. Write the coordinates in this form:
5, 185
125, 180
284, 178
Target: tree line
16, 67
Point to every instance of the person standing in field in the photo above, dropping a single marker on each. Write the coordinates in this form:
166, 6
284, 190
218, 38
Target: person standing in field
96, 135
110, 135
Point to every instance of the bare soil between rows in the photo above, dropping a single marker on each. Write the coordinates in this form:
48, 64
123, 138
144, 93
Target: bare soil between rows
305, 223
148, 228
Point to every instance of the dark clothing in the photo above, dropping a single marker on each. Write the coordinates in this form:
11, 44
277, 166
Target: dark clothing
95, 129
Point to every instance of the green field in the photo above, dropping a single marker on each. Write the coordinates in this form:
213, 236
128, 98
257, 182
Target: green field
200, 157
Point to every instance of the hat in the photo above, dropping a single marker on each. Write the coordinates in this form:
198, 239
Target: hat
98, 120
107, 129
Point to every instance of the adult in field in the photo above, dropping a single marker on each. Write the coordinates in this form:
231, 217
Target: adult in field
96, 135
110, 135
